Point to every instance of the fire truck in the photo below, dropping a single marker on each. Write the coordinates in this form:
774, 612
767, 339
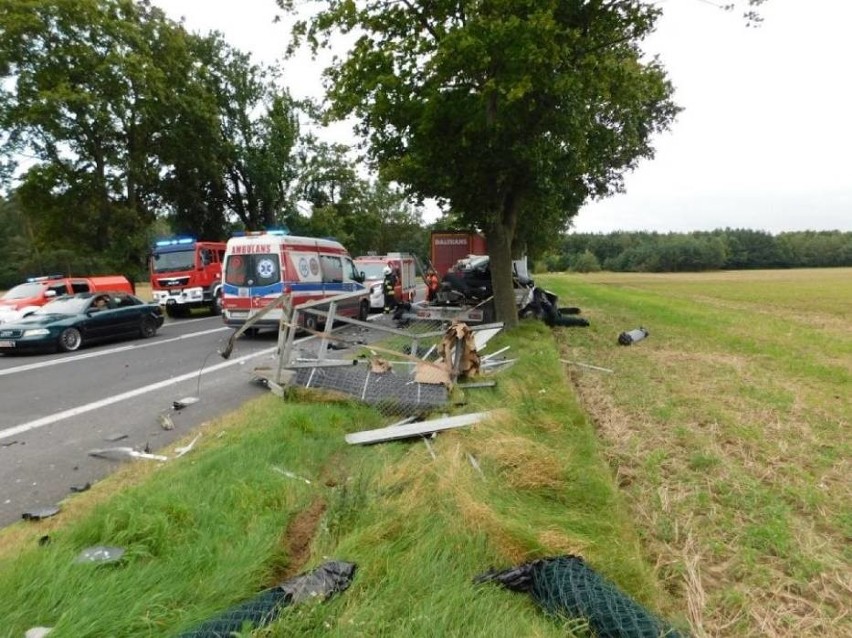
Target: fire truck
187, 273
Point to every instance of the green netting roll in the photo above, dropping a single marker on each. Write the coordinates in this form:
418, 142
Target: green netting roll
566, 586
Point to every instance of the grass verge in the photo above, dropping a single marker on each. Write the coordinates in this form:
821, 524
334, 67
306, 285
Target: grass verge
214, 527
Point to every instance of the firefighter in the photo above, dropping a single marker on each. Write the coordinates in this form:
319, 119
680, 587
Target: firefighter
432, 284
389, 289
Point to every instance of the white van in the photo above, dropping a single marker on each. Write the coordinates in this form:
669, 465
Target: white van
260, 266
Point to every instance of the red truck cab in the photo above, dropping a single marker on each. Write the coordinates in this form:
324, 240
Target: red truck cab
186, 273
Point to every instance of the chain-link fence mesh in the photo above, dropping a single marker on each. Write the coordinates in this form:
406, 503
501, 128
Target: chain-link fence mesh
324, 581
566, 586
399, 363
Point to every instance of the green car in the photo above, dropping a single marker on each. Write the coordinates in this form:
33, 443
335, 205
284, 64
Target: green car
68, 322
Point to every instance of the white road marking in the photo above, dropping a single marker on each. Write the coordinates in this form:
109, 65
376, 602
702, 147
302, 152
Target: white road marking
59, 416
100, 353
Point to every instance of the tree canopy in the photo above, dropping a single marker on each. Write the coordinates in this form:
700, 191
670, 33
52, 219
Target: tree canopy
514, 112
126, 120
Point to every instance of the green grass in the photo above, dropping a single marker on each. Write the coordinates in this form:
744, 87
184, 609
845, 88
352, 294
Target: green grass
707, 476
216, 526
728, 428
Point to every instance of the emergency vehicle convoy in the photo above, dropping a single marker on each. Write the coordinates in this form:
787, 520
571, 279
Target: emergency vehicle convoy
27, 297
187, 273
372, 268
260, 266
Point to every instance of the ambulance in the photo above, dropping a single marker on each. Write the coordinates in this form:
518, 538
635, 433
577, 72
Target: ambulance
260, 266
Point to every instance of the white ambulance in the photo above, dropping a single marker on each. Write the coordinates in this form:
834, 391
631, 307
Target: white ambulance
260, 266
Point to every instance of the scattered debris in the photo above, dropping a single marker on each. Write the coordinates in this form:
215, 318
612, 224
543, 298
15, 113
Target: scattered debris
81, 488
458, 349
494, 354
430, 448
38, 632
165, 421
585, 365
479, 384
40, 512
359, 381
123, 453
415, 429
180, 404
632, 336
100, 554
475, 464
180, 451
321, 583
44, 540
112, 438
380, 366
9, 443
565, 586
543, 305
289, 474
483, 336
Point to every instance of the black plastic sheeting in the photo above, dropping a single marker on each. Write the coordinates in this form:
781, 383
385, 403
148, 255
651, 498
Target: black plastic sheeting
324, 581
565, 586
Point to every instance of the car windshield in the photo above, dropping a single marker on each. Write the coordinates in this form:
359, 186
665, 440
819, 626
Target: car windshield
65, 306
372, 270
23, 291
172, 261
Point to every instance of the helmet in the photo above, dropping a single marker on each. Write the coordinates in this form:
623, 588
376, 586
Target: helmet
387, 270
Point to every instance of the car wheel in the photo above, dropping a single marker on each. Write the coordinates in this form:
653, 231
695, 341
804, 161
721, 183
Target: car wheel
364, 310
148, 328
70, 339
311, 322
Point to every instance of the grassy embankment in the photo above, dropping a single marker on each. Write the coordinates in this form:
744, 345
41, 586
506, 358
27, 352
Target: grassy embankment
212, 528
728, 429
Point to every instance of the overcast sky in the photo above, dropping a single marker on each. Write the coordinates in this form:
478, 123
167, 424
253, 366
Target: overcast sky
764, 141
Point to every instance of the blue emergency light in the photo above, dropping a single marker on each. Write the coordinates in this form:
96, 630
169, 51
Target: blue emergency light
174, 241
32, 280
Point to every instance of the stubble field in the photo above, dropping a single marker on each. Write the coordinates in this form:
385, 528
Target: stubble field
727, 429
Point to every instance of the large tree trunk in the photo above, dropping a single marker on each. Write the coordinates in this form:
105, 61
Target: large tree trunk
500, 251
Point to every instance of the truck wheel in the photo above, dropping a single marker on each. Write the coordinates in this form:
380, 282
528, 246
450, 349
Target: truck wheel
70, 340
148, 328
216, 304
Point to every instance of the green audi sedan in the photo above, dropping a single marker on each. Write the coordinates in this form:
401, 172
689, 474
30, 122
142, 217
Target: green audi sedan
71, 321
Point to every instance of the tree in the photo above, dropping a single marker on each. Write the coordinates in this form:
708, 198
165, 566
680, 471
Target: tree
90, 90
258, 131
513, 111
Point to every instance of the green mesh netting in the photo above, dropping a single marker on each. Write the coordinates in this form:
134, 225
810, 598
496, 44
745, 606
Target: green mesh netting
326, 580
566, 586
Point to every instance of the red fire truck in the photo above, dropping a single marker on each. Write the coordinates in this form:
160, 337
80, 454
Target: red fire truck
187, 273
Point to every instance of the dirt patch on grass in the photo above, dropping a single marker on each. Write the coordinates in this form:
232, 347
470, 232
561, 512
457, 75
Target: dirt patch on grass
298, 537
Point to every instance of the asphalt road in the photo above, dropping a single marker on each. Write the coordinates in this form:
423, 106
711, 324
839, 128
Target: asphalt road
55, 408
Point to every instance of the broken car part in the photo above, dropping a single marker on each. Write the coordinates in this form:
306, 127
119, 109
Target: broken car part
39, 513
632, 336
